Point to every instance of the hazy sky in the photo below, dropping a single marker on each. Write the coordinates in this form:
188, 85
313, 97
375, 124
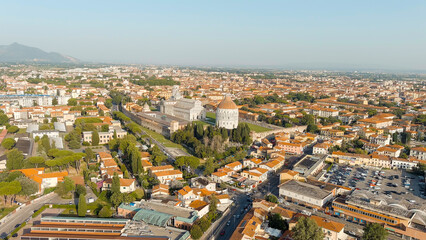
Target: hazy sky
366, 34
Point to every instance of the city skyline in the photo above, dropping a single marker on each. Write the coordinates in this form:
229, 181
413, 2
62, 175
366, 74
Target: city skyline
331, 35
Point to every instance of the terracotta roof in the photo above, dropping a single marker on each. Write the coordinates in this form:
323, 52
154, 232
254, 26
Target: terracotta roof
219, 174
104, 155
328, 224
146, 163
162, 168
222, 196
126, 182
419, 149
227, 103
233, 164
167, 173
198, 204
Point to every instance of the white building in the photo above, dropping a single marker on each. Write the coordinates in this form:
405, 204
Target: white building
381, 140
403, 163
419, 153
227, 114
187, 109
49, 133
305, 193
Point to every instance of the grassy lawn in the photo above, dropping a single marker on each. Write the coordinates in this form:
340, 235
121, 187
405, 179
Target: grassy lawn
258, 128
22, 130
201, 122
4, 211
162, 139
211, 115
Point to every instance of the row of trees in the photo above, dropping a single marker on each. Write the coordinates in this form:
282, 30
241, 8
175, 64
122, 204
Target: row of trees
13, 184
205, 222
129, 152
210, 141
253, 102
154, 81
73, 138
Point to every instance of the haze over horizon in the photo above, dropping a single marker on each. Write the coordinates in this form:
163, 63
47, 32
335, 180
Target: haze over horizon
328, 34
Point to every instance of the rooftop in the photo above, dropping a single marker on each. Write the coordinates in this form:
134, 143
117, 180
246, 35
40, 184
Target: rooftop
305, 189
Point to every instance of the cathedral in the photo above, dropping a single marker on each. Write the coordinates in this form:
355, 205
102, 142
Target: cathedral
187, 109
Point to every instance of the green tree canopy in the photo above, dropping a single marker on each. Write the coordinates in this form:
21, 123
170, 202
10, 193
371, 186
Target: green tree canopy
105, 212
89, 154
66, 187
80, 190
209, 167
15, 159
29, 187
374, 231
95, 138
8, 143
271, 198
157, 156
277, 222
72, 102
36, 160
307, 229
138, 194
115, 188
3, 119
13, 129
82, 206
196, 232
9, 189
74, 144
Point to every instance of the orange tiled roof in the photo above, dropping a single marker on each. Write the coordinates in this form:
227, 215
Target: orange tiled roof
233, 164
126, 182
167, 173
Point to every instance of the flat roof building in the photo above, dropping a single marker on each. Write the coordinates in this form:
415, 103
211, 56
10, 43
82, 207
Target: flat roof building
305, 193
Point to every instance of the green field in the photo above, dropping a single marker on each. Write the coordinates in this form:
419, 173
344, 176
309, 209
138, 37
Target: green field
258, 128
166, 142
211, 115
5, 211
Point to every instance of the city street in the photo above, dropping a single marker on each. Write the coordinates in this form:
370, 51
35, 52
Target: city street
26, 212
224, 231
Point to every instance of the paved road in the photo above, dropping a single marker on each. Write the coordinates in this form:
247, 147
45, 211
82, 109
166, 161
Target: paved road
234, 217
20, 216
27, 211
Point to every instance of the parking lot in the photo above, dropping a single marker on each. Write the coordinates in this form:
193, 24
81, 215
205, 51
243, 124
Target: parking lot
395, 184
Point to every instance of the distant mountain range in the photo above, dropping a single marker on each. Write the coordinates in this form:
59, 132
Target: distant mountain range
16, 52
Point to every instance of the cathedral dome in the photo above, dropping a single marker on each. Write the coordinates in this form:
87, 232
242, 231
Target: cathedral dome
227, 103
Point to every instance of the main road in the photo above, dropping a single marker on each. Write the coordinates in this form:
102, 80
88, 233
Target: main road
27, 211
224, 231
20, 216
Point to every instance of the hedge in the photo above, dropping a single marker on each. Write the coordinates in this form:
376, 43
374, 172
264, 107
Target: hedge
16, 230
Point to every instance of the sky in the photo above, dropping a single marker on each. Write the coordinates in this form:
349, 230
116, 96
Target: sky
289, 34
